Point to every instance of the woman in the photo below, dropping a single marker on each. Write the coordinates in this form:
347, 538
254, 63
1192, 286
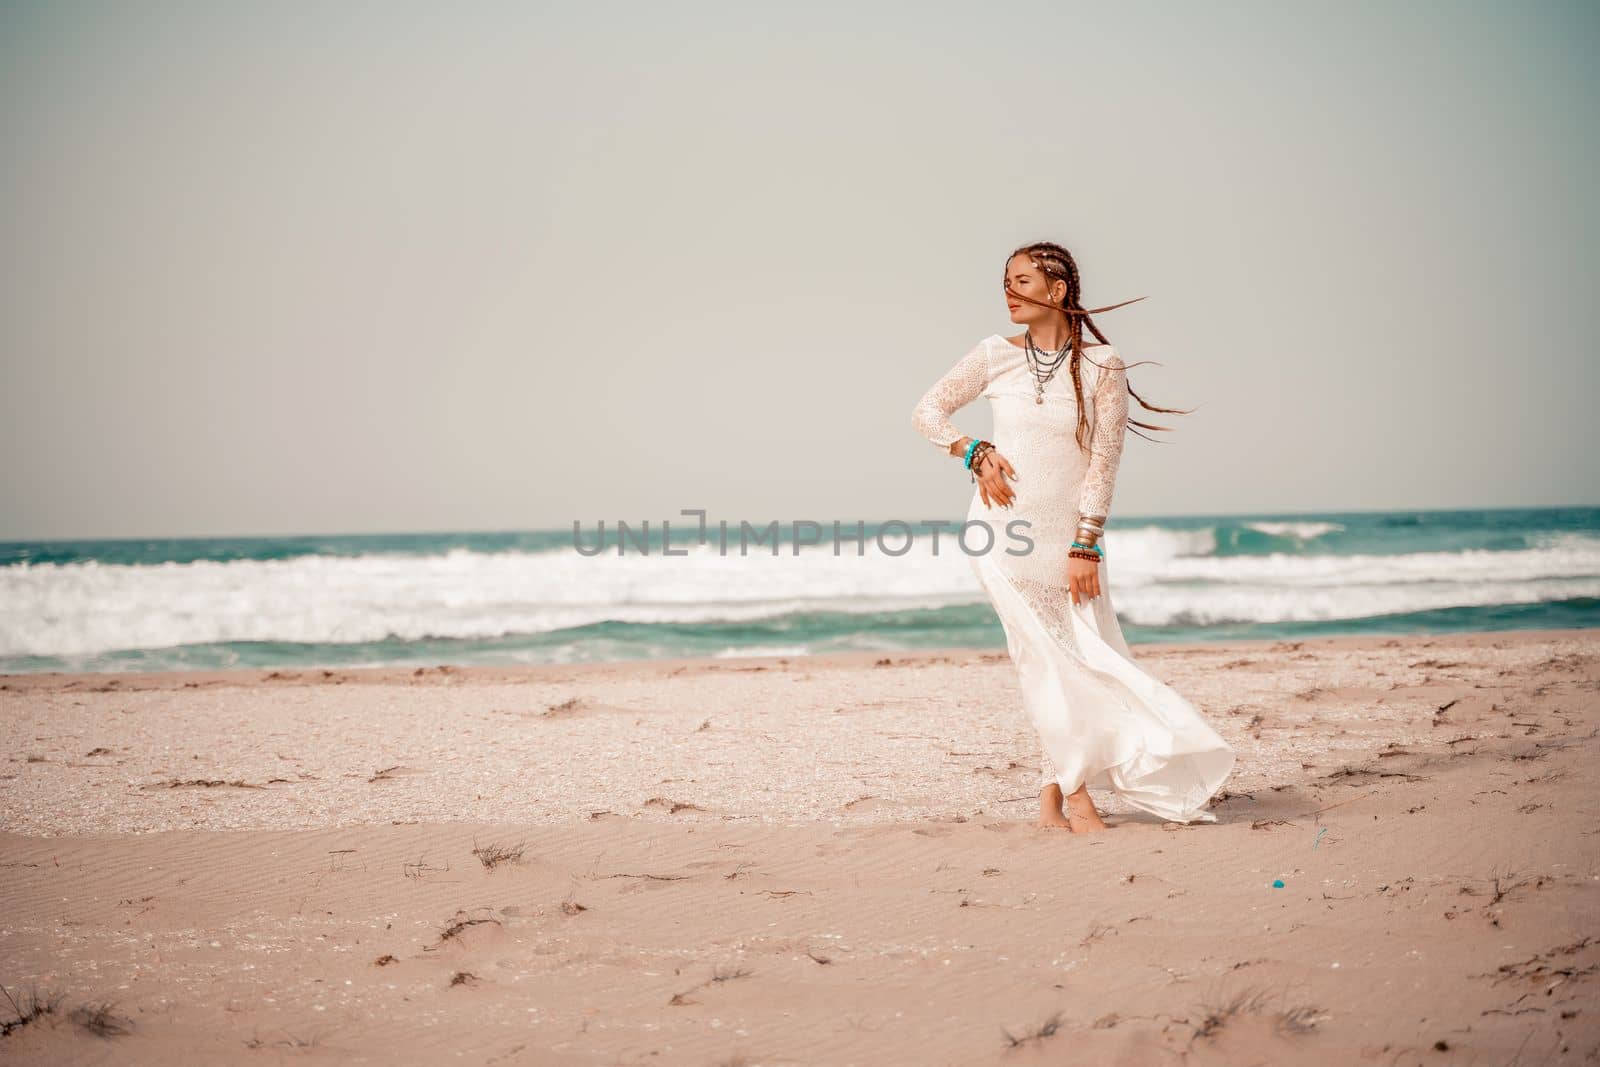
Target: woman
1061, 413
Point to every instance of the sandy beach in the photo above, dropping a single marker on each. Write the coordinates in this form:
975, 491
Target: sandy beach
801, 860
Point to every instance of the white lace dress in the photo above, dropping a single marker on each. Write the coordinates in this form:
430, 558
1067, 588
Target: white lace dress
1101, 717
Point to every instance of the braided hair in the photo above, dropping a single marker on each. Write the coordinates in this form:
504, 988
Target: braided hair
1055, 262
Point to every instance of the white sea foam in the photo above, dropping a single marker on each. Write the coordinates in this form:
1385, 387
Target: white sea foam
1299, 531
737, 652
1158, 577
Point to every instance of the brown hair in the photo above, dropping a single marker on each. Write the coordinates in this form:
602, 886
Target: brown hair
1053, 261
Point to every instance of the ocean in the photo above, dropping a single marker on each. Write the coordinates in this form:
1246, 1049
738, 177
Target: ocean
533, 597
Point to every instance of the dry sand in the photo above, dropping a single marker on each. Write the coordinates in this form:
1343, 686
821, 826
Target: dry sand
802, 861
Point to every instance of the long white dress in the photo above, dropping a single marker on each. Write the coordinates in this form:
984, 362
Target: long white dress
1102, 718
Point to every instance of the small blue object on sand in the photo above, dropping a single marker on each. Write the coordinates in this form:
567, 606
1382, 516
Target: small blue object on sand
1277, 883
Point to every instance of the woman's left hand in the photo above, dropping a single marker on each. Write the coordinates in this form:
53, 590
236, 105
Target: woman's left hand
1083, 579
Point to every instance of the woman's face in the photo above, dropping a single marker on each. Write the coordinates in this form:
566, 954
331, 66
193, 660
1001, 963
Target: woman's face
1024, 279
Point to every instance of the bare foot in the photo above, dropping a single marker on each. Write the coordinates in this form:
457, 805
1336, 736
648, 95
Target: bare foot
1083, 817
1051, 817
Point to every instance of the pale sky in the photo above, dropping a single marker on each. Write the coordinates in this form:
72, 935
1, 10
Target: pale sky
342, 268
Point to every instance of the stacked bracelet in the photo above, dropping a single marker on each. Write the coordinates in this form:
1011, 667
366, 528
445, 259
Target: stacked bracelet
978, 457
1099, 553
976, 451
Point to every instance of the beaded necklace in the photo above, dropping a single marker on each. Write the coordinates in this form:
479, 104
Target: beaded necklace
1044, 368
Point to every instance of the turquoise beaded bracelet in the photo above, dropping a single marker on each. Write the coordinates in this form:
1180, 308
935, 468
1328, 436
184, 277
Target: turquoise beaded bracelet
1092, 548
966, 460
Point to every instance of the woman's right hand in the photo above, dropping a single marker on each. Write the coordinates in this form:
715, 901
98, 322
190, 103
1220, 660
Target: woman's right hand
993, 486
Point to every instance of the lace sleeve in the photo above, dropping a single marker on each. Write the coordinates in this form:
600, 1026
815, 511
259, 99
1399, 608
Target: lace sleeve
960, 386
1110, 429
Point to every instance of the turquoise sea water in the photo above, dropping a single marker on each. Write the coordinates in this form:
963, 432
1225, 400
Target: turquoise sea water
532, 597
